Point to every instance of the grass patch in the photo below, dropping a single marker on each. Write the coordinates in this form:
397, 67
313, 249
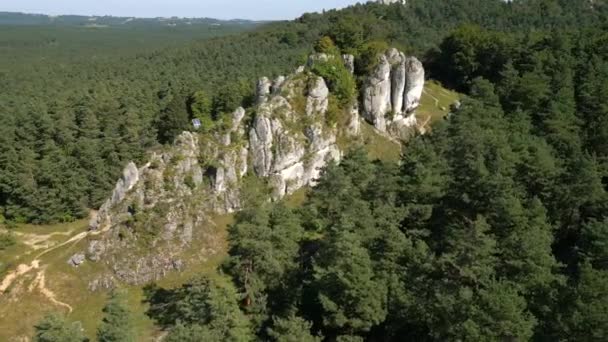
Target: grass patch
296, 199
378, 146
21, 309
435, 103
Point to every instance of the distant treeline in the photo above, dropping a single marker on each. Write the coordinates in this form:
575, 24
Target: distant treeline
69, 122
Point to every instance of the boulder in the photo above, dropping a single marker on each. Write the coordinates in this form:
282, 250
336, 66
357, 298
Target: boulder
77, 259
317, 100
263, 89
349, 63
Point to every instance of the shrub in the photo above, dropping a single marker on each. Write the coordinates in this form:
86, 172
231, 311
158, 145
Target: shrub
368, 56
326, 45
339, 80
6, 240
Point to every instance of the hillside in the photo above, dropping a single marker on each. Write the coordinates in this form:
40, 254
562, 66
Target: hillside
25, 19
118, 103
429, 171
37, 40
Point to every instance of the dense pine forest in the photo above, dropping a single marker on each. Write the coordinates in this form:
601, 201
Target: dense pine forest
492, 227
68, 128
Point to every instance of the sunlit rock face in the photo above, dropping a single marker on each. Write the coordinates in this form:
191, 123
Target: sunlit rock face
392, 92
414, 85
388, 2
290, 147
284, 140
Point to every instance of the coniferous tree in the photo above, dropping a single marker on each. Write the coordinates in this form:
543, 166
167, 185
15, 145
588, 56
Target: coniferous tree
117, 323
55, 328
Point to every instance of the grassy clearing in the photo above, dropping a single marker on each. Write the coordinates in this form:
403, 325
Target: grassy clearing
379, 146
296, 199
435, 103
21, 309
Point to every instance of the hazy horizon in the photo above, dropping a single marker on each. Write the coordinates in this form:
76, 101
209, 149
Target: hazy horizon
238, 9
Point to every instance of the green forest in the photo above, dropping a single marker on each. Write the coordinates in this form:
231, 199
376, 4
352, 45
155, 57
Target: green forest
491, 227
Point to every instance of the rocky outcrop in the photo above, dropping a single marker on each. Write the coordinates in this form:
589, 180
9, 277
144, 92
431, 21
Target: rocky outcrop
289, 147
388, 2
263, 89
415, 83
349, 63
130, 177
392, 92
286, 139
157, 209
377, 95
317, 100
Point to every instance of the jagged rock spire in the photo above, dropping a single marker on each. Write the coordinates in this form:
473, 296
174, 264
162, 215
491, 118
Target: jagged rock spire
394, 87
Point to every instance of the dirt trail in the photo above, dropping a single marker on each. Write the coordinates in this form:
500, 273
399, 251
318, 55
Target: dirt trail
35, 264
21, 270
445, 92
35, 241
423, 127
433, 97
40, 284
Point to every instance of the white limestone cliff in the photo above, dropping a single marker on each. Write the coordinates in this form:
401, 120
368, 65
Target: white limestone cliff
392, 92
285, 139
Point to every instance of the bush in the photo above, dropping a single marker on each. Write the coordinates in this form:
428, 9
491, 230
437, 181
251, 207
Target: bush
326, 45
339, 80
368, 56
6, 240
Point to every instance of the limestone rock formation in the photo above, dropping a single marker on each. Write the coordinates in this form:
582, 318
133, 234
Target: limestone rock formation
414, 85
286, 138
283, 147
77, 259
263, 88
377, 95
349, 62
157, 209
392, 92
388, 2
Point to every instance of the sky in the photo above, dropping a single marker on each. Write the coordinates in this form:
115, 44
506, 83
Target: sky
220, 9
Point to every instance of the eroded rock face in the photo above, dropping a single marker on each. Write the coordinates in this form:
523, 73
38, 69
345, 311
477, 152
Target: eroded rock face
318, 98
393, 92
415, 83
263, 88
170, 199
130, 176
349, 62
156, 210
377, 95
288, 148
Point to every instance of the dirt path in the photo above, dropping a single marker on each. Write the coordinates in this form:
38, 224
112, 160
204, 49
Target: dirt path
433, 97
36, 241
40, 284
21, 270
422, 127
35, 264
